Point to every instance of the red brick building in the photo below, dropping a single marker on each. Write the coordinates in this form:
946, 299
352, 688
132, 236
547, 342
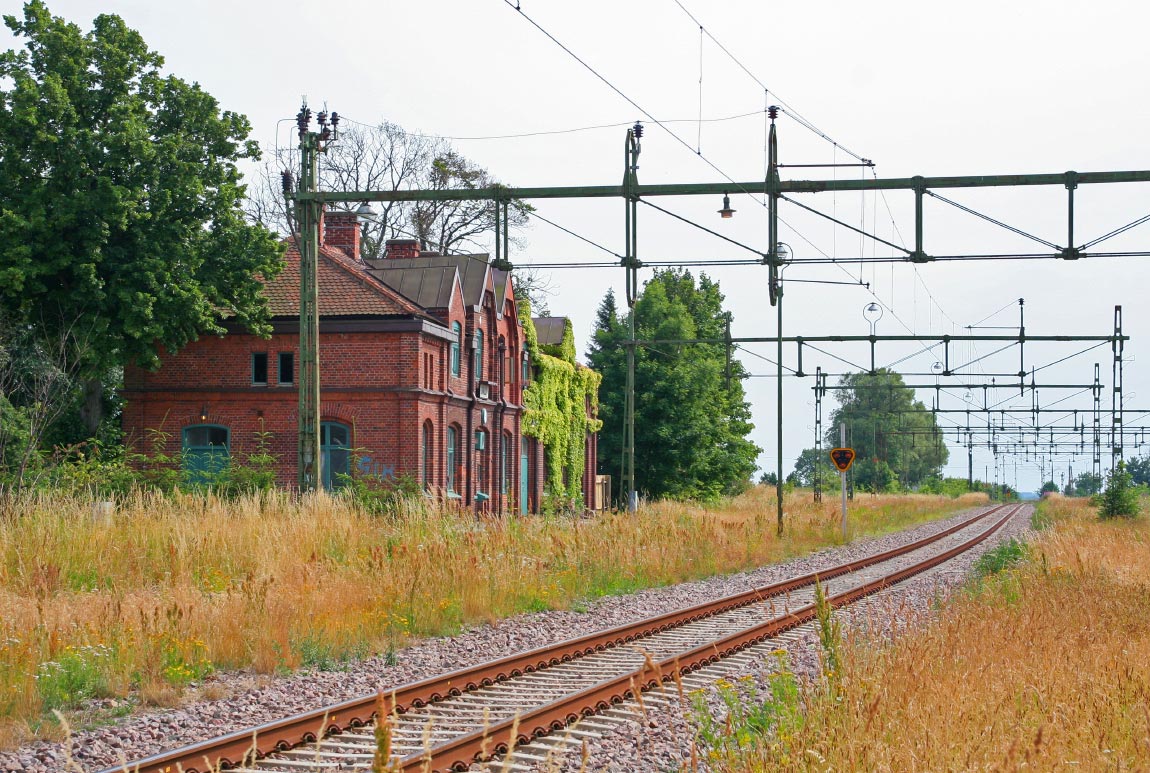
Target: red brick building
423, 363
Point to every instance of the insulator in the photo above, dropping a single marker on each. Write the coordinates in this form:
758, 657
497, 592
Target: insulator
638, 129
773, 112
321, 117
288, 180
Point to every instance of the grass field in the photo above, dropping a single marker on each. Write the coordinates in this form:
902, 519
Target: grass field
1041, 665
170, 589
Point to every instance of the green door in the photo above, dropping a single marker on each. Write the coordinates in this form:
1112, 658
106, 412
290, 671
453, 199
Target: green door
524, 467
205, 453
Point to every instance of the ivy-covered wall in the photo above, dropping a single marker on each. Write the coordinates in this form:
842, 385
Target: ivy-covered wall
555, 411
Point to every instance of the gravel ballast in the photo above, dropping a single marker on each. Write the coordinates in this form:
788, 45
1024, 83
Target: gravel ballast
662, 743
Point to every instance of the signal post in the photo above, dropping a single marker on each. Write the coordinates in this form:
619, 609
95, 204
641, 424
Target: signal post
843, 458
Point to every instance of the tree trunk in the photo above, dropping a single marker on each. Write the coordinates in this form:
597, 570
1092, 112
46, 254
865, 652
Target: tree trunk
92, 411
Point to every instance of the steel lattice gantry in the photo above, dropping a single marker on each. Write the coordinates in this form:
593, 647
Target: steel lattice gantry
631, 191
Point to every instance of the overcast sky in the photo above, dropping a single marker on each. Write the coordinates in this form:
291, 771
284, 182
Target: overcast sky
921, 88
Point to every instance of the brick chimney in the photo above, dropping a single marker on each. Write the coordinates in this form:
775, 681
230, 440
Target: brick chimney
402, 248
341, 230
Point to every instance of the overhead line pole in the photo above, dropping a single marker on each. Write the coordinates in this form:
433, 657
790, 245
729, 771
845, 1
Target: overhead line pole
308, 210
631, 151
775, 293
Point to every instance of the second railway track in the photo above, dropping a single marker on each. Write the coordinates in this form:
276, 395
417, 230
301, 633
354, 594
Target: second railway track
448, 722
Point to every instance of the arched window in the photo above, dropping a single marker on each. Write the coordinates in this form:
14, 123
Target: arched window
335, 453
481, 466
428, 449
526, 369
452, 437
205, 452
478, 355
458, 330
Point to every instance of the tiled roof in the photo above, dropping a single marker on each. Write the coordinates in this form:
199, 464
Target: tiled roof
345, 289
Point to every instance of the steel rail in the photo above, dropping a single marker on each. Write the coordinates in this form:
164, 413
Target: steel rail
504, 736
307, 727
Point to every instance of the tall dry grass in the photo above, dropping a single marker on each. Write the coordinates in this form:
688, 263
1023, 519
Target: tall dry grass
171, 588
1044, 666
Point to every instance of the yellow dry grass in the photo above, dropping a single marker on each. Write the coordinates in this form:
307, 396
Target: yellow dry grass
1042, 667
172, 588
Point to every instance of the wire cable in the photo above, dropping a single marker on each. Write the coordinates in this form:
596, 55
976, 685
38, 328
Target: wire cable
1115, 232
845, 225
566, 230
794, 114
701, 227
990, 219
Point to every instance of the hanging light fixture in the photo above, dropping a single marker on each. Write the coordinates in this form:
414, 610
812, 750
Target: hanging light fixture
726, 212
365, 214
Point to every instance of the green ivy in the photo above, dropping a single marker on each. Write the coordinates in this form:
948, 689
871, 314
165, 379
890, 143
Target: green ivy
555, 411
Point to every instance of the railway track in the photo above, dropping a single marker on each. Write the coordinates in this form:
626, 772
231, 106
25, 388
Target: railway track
448, 722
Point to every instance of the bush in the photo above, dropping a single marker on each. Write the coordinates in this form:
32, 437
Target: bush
378, 494
1120, 498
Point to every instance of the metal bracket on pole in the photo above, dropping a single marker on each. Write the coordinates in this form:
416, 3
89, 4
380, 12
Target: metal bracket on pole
919, 255
1070, 252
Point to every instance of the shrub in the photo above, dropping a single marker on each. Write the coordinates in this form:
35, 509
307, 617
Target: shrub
1120, 498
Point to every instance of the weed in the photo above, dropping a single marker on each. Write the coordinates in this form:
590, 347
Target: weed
999, 558
75, 676
830, 636
1041, 519
319, 653
750, 716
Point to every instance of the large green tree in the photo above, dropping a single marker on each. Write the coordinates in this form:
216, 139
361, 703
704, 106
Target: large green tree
1139, 469
812, 462
691, 423
121, 229
895, 437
